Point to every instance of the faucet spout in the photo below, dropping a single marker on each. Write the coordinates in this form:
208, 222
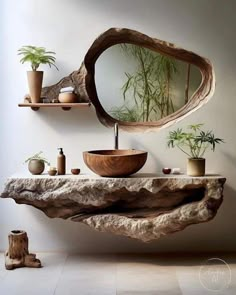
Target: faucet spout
116, 136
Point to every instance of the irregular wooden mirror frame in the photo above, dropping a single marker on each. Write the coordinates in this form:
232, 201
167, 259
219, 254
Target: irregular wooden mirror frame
84, 79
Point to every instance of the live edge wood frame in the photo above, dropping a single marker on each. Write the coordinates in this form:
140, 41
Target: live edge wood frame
84, 79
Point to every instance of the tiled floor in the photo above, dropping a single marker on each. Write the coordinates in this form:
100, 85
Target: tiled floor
121, 275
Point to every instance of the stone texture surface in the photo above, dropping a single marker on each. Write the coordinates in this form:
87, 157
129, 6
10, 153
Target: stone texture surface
141, 207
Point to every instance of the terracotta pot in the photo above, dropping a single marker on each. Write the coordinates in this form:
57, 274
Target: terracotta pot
35, 81
67, 97
196, 167
36, 167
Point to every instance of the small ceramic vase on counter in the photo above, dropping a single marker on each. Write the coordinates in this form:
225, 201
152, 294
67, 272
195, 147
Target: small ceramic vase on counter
36, 167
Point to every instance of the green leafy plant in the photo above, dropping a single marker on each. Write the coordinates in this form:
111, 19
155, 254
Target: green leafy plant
36, 56
149, 86
38, 156
124, 113
195, 142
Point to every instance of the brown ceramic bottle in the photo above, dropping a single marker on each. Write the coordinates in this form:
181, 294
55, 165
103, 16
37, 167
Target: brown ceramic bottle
61, 163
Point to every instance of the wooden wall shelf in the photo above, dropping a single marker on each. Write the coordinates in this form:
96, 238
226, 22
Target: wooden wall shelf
64, 106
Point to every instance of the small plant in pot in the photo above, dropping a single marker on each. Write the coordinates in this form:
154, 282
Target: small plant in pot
36, 56
194, 144
36, 163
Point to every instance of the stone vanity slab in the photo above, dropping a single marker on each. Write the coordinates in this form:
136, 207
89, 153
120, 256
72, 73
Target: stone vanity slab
142, 206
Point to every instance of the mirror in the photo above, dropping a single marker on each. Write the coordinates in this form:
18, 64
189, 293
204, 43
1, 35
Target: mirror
113, 80
136, 84
172, 84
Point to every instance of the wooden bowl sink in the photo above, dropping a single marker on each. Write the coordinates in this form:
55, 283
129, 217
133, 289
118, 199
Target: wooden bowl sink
114, 163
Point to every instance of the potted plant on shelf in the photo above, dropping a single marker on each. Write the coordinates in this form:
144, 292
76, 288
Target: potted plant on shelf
194, 144
36, 163
36, 56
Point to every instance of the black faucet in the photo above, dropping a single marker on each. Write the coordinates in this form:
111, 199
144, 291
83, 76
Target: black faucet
116, 136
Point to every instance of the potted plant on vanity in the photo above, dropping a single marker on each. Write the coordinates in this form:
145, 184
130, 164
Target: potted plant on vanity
36, 56
194, 144
36, 163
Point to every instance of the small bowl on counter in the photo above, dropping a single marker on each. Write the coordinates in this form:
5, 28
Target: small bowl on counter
166, 170
176, 171
75, 171
52, 171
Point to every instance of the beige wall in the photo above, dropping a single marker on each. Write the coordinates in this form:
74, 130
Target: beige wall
206, 27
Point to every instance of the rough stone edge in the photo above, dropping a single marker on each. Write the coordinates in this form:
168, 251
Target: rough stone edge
168, 223
153, 228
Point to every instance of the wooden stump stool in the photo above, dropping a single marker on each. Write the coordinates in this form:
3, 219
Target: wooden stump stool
17, 254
